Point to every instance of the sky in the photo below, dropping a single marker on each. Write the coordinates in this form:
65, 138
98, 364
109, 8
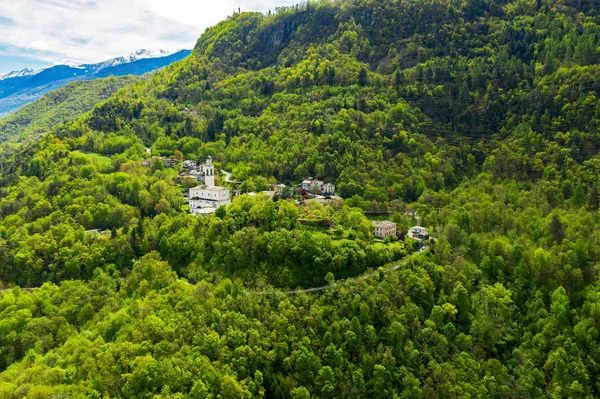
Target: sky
38, 33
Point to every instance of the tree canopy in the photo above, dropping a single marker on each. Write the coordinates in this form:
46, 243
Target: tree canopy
478, 119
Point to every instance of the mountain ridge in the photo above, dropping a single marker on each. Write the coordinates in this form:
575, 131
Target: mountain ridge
98, 66
18, 88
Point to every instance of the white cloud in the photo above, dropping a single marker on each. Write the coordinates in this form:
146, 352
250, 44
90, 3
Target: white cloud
85, 31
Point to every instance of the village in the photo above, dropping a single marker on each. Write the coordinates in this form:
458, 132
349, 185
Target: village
205, 197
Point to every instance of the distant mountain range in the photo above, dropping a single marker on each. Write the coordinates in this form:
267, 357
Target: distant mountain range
19, 88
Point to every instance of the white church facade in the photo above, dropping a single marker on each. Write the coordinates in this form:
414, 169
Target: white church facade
208, 197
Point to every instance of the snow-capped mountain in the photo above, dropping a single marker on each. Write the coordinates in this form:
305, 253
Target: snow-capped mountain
16, 87
16, 74
92, 68
133, 57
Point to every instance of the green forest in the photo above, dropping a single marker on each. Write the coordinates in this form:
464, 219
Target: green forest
63, 104
480, 115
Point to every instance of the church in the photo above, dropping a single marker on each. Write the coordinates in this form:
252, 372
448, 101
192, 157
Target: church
205, 199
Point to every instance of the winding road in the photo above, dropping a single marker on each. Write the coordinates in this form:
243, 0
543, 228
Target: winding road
228, 178
293, 292
337, 284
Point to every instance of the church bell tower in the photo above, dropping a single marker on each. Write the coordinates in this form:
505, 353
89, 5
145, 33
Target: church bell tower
209, 172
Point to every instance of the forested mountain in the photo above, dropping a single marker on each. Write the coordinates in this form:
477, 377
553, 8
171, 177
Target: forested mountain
64, 104
481, 115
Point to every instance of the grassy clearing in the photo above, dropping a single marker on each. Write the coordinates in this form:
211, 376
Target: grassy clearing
94, 158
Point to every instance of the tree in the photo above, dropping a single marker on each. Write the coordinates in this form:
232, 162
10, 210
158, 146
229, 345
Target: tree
300, 393
221, 212
493, 322
327, 381
557, 229
150, 271
579, 195
231, 389
363, 77
157, 164
398, 78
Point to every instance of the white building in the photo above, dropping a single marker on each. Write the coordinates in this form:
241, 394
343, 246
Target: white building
328, 189
311, 184
187, 164
306, 184
318, 185
209, 172
209, 196
384, 229
418, 233
201, 173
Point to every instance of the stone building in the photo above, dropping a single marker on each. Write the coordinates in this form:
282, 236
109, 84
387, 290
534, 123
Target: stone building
384, 229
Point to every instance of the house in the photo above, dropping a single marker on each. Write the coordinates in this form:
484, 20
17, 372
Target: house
187, 164
418, 233
328, 189
307, 183
205, 173
327, 200
313, 185
197, 175
279, 188
317, 186
384, 229
167, 162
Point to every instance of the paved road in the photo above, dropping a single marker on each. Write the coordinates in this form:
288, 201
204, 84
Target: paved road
228, 177
299, 291
337, 284
293, 292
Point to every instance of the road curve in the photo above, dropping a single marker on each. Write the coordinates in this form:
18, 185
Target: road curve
293, 292
337, 284
228, 177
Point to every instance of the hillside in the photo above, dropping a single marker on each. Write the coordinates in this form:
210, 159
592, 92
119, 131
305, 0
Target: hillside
66, 103
481, 116
20, 88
